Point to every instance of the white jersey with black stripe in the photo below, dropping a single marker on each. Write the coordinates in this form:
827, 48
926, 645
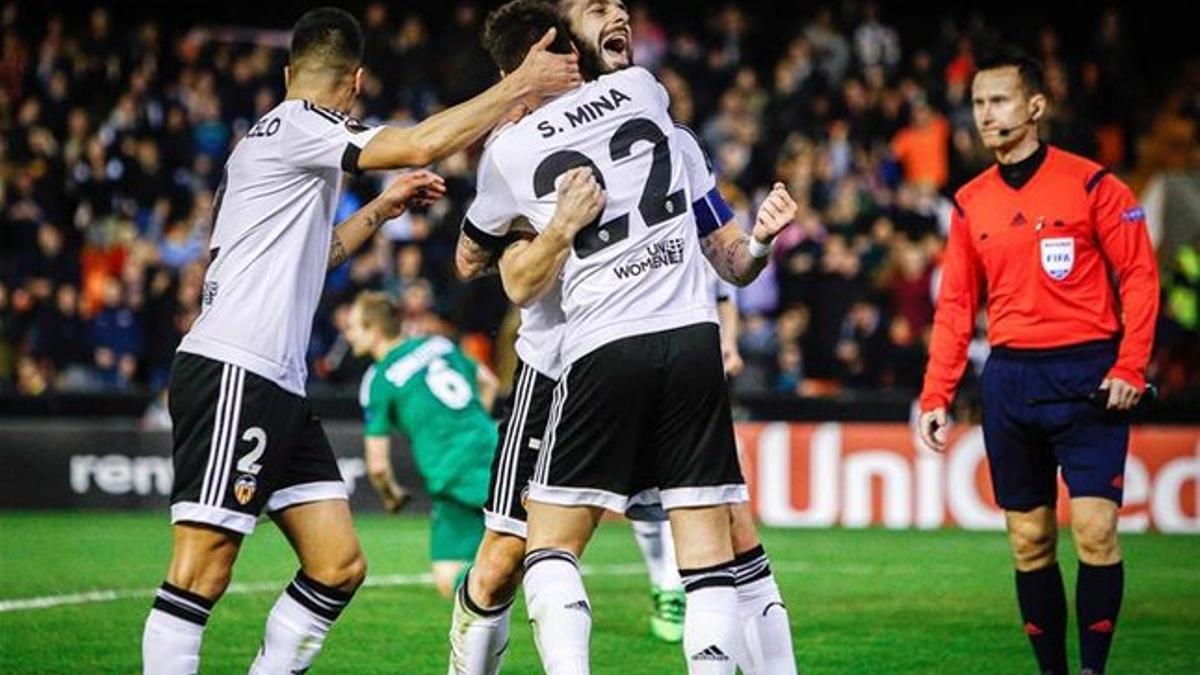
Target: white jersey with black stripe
539, 340
639, 268
270, 243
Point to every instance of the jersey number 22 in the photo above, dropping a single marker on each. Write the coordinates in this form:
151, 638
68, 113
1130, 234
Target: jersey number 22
655, 205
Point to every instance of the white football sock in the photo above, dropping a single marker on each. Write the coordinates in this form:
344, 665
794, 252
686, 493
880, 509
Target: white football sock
173, 633
297, 626
712, 634
478, 636
658, 550
765, 624
559, 611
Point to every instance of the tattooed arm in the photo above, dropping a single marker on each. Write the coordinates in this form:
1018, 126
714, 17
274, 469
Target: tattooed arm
416, 187
471, 259
528, 265
353, 232
529, 268
730, 250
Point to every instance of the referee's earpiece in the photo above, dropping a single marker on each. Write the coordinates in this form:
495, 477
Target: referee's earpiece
1032, 120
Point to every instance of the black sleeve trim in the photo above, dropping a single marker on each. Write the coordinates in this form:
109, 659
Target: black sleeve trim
490, 242
1095, 179
350, 158
322, 112
700, 144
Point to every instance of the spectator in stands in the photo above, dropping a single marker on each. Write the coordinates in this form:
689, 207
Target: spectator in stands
113, 132
876, 44
909, 282
862, 346
922, 147
61, 336
116, 337
902, 361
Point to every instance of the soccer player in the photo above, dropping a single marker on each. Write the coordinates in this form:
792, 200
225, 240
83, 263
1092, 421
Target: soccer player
428, 390
1045, 234
478, 632
653, 536
245, 439
529, 268
601, 29
765, 623
650, 404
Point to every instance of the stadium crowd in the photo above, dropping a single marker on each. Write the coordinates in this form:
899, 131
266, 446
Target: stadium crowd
113, 137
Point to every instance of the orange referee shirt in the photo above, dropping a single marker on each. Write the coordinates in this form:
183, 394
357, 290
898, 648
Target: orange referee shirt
1065, 259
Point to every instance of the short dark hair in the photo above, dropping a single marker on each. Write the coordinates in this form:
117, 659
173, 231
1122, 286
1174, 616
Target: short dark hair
1028, 68
328, 36
512, 28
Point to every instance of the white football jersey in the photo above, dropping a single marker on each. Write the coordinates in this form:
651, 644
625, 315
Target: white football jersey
272, 227
539, 339
706, 204
638, 269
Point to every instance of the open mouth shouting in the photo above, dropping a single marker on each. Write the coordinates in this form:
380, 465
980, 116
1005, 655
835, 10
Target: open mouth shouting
614, 46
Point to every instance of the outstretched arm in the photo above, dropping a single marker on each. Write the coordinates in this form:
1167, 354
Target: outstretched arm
542, 74
415, 188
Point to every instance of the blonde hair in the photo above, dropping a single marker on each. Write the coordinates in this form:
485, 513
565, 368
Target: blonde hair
379, 311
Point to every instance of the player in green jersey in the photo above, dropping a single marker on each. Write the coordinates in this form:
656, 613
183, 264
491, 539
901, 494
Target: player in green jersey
427, 389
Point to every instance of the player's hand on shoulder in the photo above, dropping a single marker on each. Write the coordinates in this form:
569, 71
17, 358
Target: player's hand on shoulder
545, 73
412, 188
580, 199
775, 214
933, 429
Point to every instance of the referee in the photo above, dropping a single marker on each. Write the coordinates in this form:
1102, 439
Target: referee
1059, 249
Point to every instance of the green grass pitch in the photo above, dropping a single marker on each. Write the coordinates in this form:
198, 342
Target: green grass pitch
861, 601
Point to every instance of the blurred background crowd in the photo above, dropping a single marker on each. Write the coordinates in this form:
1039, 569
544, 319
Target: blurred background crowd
114, 130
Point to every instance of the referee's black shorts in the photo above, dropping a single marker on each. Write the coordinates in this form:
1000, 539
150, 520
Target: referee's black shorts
1028, 441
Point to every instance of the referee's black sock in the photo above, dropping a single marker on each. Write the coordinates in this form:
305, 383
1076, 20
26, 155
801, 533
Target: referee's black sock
1044, 611
1098, 592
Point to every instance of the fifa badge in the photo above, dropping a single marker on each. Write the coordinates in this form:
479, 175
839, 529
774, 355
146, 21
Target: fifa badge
1058, 257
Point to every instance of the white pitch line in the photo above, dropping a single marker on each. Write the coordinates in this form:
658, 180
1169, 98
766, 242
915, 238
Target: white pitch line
398, 580
241, 588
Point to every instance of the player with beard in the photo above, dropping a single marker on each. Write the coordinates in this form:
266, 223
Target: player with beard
602, 31
609, 52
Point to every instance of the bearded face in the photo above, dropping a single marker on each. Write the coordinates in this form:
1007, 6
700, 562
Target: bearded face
601, 30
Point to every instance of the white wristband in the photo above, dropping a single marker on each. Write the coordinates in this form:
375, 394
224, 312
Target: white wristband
759, 250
